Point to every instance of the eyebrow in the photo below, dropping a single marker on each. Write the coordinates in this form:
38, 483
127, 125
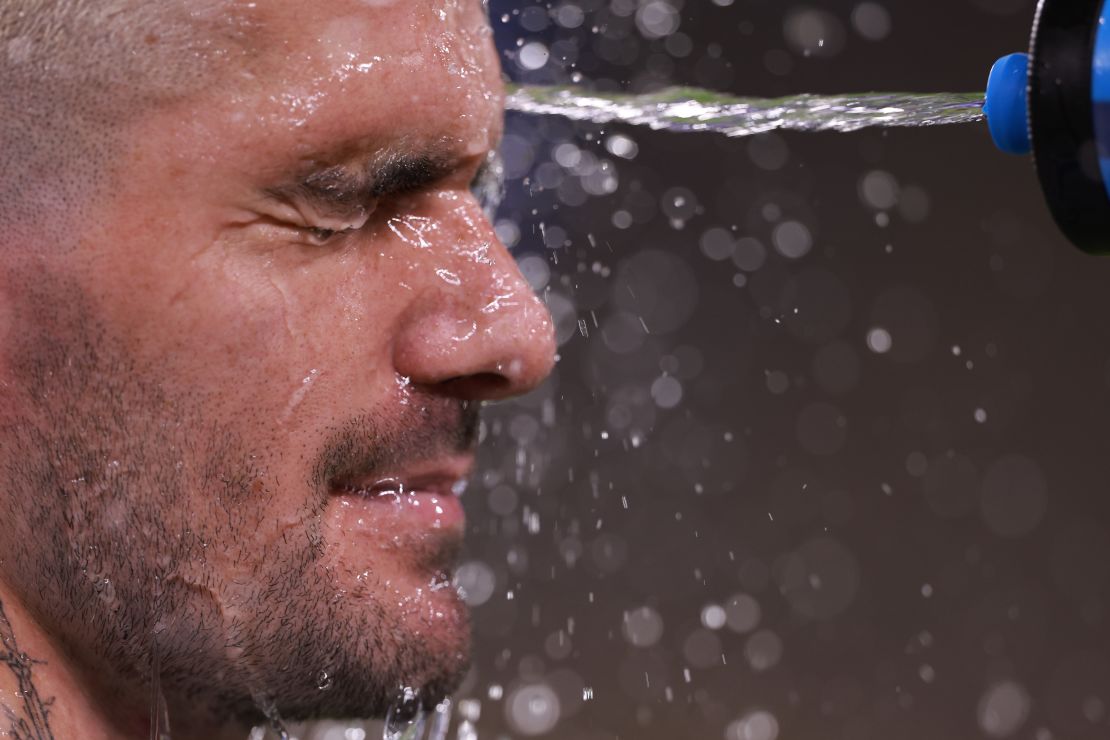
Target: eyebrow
340, 190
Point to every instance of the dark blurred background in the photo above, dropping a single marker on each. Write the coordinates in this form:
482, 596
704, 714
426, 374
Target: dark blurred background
827, 448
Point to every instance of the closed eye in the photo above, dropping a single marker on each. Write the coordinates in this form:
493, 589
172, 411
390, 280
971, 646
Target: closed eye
340, 201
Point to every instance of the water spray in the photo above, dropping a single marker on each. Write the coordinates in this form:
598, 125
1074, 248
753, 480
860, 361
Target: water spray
1054, 102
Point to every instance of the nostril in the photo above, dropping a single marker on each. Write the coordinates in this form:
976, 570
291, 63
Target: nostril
478, 385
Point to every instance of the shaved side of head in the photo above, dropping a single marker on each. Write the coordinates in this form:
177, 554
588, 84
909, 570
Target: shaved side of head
72, 74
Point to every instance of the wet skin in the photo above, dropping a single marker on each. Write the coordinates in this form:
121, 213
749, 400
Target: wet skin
299, 293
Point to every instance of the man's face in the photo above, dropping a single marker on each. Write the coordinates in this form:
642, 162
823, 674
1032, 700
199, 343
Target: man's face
243, 399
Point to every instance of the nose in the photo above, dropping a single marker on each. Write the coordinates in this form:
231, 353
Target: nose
476, 330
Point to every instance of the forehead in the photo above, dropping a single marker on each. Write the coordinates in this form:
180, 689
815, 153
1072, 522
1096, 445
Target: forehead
350, 75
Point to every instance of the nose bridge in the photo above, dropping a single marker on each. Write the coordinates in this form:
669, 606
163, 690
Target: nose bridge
475, 321
465, 265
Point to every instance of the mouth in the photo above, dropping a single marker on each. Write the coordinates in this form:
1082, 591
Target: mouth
407, 504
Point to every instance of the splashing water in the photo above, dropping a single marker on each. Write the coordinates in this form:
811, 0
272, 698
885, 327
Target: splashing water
159, 713
405, 719
266, 705
441, 721
691, 109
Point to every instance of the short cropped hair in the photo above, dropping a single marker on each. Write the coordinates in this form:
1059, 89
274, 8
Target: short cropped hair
72, 74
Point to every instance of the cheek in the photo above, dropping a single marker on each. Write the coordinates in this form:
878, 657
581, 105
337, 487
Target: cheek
275, 334
241, 332
288, 342
222, 335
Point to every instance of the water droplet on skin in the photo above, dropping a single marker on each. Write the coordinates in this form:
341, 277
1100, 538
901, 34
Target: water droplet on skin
448, 277
412, 230
300, 391
464, 331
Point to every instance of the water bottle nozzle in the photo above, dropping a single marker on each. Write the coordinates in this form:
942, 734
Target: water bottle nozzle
1007, 106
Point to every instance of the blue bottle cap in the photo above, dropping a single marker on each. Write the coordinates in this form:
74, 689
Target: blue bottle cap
1007, 106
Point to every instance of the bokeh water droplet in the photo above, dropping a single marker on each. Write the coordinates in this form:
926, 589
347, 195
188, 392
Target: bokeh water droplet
533, 709
1003, 709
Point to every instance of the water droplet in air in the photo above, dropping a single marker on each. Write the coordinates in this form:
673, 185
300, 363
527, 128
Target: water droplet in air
758, 725
533, 709
1003, 709
879, 340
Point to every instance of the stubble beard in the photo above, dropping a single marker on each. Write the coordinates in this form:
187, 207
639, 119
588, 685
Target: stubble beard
133, 535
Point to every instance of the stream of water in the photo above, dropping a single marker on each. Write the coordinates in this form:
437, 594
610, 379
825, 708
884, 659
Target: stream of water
692, 109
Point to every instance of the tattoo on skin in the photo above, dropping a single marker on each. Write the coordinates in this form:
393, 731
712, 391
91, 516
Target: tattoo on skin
31, 721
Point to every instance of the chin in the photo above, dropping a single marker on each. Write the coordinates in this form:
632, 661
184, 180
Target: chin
423, 644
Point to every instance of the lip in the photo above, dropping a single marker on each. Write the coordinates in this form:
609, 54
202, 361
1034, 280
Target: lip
408, 499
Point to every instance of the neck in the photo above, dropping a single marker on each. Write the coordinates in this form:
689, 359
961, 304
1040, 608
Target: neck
46, 695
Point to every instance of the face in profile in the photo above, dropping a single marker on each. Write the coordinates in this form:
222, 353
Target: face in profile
239, 406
